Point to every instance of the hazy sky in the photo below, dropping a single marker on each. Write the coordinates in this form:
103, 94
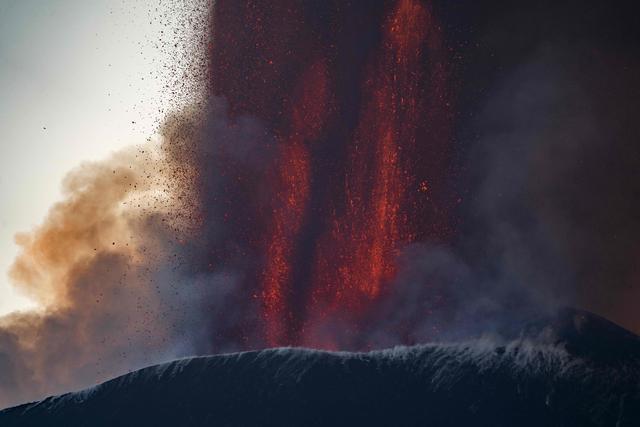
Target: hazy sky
78, 80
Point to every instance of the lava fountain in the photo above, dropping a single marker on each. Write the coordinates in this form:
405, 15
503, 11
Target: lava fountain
358, 100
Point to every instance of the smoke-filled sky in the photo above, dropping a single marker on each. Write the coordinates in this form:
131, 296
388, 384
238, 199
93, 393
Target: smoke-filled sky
78, 81
343, 175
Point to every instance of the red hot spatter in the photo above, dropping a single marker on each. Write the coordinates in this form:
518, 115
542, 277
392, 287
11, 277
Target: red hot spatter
357, 98
310, 109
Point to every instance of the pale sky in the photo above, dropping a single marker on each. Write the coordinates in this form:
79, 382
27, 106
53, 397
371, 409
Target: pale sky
74, 76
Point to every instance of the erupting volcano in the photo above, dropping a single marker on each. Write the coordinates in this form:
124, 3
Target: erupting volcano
358, 99
354, 176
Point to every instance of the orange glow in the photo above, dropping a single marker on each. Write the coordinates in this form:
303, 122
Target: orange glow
361, 118
364, 242
292, 180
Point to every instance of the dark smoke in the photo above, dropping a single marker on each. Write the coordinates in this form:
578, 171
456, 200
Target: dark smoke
561, 180
555, 206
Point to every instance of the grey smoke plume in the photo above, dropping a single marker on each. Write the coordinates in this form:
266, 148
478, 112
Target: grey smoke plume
114, 266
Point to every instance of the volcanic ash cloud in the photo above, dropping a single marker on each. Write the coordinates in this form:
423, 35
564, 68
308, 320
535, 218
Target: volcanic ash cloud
105, 268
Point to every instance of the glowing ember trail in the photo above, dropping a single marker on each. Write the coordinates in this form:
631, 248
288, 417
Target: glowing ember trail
309, 112
356, 97
357, 259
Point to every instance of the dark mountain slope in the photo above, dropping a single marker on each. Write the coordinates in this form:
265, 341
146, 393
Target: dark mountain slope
573, 370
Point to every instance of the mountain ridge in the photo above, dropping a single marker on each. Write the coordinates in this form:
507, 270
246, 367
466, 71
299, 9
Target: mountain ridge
551, 374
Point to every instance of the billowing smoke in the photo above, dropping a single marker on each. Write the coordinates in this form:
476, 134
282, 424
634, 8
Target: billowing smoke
558, 191
91, 265
552, 152
319, 190
119, 269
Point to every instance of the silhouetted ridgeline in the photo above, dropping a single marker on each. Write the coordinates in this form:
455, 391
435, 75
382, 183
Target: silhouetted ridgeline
574, 370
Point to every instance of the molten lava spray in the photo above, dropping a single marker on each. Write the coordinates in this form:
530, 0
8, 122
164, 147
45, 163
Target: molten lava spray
358, 99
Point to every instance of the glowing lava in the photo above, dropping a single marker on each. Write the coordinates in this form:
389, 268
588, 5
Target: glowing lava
291, 201
357, 98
